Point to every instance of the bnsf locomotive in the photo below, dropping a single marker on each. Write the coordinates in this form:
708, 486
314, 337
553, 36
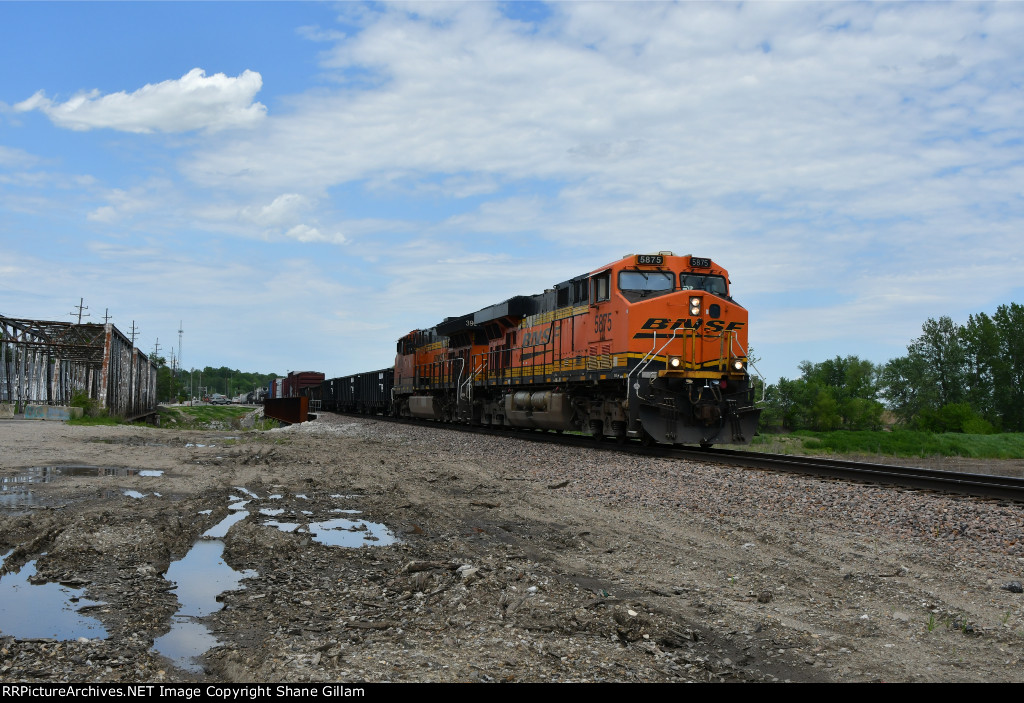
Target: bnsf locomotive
652, 346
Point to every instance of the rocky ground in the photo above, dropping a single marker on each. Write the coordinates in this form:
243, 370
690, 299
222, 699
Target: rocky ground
488, 559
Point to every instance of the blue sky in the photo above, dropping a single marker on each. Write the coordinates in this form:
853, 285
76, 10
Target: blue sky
299, 184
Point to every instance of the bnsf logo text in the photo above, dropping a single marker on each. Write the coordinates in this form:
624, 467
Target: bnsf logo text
664, 323
533, 339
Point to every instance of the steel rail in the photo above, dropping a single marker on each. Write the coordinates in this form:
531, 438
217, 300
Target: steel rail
1007, 488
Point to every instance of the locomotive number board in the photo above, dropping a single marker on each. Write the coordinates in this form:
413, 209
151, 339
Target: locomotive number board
699, 263
649, 259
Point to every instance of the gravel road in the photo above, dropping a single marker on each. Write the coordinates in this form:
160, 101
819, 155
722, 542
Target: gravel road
356, 550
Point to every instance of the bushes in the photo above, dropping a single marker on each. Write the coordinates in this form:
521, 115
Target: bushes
840, 393
953, 417
906, 443
90, 406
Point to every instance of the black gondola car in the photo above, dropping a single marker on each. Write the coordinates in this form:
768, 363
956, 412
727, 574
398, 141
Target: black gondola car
368, 392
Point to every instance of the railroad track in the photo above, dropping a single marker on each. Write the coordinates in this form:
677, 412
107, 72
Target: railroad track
1007, 488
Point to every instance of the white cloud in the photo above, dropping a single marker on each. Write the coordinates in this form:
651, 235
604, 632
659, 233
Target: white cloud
829, 103
122, 204
193, 102
283, 210
305, 233
16, 158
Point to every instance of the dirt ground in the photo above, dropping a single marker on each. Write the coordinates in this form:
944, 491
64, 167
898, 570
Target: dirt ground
491, 559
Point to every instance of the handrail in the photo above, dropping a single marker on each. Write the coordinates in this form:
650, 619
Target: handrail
764, 384
654, 342
468, 383
642, 365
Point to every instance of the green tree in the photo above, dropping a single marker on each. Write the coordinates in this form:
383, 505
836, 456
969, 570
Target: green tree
957, 377
981, 340
833, 394
1008, 368
942, 350
933, 374
908, 386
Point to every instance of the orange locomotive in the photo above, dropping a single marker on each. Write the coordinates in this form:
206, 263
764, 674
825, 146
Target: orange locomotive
652, 346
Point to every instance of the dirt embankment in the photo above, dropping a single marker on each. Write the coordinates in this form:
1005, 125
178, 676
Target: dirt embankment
490, 560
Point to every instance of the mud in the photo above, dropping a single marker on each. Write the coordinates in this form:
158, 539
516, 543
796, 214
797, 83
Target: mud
353, 550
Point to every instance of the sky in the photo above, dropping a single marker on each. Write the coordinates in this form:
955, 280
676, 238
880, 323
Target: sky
296, 185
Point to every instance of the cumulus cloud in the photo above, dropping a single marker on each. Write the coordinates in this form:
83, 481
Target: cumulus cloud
193, 102
283, 210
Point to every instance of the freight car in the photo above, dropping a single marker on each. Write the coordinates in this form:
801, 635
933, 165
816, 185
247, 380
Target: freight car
652, 346
368, 392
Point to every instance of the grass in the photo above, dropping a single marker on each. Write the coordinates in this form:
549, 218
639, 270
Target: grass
902, 443
199, 417
203, 417
96, 420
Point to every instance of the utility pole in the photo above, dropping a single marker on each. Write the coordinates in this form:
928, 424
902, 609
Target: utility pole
178, 367
106, 315
156, 348
134, 332
81, 306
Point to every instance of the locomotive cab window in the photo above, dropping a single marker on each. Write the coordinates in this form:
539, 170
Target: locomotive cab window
699, 281
579, 292
602, 286
635, 285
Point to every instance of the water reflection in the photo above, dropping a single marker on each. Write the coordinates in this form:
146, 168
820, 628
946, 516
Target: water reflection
200, 576
30, 610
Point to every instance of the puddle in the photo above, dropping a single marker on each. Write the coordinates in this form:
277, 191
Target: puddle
46, 610
342, 532
10, 499
200, 576
48, 474
16, 490
221, 528
283, 526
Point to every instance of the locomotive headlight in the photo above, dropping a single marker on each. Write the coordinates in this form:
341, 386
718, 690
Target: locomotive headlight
675, 362
738, 365
695, 306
